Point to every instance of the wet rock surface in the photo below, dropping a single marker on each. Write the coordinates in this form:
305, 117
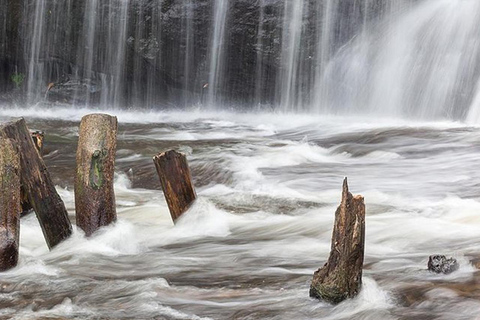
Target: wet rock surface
440, 264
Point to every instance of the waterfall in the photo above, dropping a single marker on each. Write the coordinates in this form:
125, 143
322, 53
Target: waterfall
119, 59
291, 49
401, 58
189, 47
420, 61
324, 39
137, 61
259, 71
35, 67
87, 50
217, 50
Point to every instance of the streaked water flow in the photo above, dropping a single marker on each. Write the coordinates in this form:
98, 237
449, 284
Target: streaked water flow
268, 187
407, 58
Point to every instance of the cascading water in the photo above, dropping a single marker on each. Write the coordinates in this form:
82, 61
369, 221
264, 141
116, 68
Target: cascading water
421, 62
268, 183
367, 56
119, 59
35, 66
217, 51
87, 50
189, 50
324, 38
259, 65
291, 49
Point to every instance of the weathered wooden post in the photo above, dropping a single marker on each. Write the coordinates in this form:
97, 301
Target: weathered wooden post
176, 181
37, 138
341, 277
94, 194
9, 204
38, 185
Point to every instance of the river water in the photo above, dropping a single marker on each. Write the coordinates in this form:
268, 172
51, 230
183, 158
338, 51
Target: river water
268, 187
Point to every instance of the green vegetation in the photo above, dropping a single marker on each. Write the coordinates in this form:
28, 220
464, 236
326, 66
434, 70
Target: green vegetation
18, 78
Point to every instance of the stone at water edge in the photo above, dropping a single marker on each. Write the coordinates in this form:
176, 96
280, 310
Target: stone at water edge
440, 264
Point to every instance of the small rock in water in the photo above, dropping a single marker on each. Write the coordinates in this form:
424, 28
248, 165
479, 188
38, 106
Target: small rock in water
440, 264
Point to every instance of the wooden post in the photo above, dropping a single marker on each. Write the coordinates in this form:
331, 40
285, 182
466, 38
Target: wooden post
9, 204
94, 194
341, 277
38, 185
37, 138
176, 181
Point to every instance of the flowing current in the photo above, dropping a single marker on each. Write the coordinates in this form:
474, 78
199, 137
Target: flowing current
349, 77
268, 188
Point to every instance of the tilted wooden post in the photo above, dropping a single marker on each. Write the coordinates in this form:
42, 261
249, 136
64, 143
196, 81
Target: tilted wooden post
94, 194
341, 277
37, 138
9, 204
38, 185
176, 181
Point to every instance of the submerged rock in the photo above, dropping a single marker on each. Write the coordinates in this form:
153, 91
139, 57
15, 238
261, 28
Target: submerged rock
440, 264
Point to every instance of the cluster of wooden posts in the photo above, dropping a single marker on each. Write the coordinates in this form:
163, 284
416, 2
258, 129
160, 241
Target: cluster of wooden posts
25, 183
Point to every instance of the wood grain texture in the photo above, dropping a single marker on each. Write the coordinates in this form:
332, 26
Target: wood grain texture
38, 185
341, 277
9, 204
94, 194
38, 140
176, 181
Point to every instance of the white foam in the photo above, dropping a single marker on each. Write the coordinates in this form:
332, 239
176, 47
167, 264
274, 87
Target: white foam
371, 297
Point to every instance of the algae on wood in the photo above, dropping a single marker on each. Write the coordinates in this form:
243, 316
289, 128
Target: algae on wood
94, 194
341, 277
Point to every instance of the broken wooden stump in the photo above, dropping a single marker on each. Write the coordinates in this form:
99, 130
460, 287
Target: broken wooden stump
440, 264
94, 194
176, 181
37, 137
38, 185
341, 277
9, 204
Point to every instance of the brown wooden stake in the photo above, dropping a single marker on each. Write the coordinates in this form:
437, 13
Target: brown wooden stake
341, 277
38, 185
176, 181
38, 138
94, 194
9, 204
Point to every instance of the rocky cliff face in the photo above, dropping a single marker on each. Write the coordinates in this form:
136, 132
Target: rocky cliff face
158, 52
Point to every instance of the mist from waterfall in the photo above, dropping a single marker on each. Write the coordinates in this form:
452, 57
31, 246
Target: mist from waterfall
421, 62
